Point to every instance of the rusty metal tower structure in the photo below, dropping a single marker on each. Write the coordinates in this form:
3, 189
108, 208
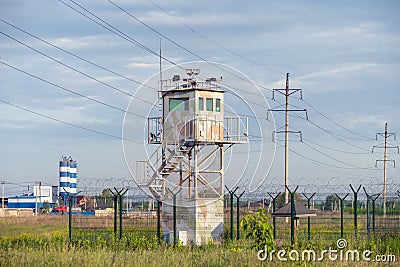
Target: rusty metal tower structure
193, 136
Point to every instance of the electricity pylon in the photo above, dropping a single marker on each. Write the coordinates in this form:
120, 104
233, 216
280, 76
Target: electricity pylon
287, 92
385, 159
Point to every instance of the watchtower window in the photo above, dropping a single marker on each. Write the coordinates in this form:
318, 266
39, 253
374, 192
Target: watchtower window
179, 104
201, 103
218, 105
209, 104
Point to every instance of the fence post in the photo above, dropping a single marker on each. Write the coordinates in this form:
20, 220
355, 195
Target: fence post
355, 192
118, 198
273, 210
238, 215
308, 218
368, 218
341, 213
115, 198
70, 197
231, 193
69, 216
398, 194
373, 199
292, 219
174, 213
120, 211
159, 220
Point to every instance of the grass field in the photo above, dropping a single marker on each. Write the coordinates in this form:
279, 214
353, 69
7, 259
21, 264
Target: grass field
43, 241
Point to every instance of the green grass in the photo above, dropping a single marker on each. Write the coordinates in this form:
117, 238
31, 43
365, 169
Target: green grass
14, 226
43, 241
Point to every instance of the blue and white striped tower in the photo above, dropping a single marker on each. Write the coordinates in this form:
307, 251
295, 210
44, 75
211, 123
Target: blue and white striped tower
72, 176
64, 178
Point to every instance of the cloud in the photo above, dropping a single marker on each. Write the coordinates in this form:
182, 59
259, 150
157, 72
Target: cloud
17, 125
346, 68
158, 18
141, 65
359, 121
69, 43
367, 29
336, 49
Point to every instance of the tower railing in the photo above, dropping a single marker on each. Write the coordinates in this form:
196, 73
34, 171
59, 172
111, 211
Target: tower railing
154, 130
236, 129
216, 129
201, 128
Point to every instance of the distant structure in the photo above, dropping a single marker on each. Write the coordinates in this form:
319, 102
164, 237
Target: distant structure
193, 135
68, 178
40, 195
72, 176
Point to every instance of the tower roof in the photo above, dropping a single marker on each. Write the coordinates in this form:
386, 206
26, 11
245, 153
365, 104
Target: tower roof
191, 84
300, 210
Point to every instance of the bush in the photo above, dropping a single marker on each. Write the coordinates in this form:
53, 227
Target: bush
258, 228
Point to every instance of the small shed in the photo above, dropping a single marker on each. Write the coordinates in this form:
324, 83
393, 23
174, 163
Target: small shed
300, 210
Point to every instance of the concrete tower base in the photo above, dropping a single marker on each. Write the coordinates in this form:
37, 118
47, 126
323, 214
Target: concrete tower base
197, 221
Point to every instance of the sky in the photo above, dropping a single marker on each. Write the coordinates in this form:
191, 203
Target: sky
56, 66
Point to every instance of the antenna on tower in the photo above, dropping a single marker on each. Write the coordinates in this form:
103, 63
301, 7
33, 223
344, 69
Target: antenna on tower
161, 106
161, 83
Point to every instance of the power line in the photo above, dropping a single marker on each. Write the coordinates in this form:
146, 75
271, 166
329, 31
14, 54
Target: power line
172, 41
86, 75
332, 134
72, 92
334, 149
214, 42
189, 51
76, 56
340, 161
76, 70
339, 125
24, 44
365, 138
135, 42
335, 135
115, 30
256, 63
303, 139
317, 162
68, 123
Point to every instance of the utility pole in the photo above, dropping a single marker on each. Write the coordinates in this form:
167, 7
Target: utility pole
36, 197
2, 198
287, 92
385, 159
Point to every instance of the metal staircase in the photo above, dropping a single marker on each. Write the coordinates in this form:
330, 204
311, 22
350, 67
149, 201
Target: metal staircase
156, 183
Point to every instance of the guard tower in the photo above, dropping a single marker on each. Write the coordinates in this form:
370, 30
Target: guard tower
193, 135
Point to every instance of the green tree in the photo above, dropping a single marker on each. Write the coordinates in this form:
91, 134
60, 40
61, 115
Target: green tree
257, 227
331, 202
106, 193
